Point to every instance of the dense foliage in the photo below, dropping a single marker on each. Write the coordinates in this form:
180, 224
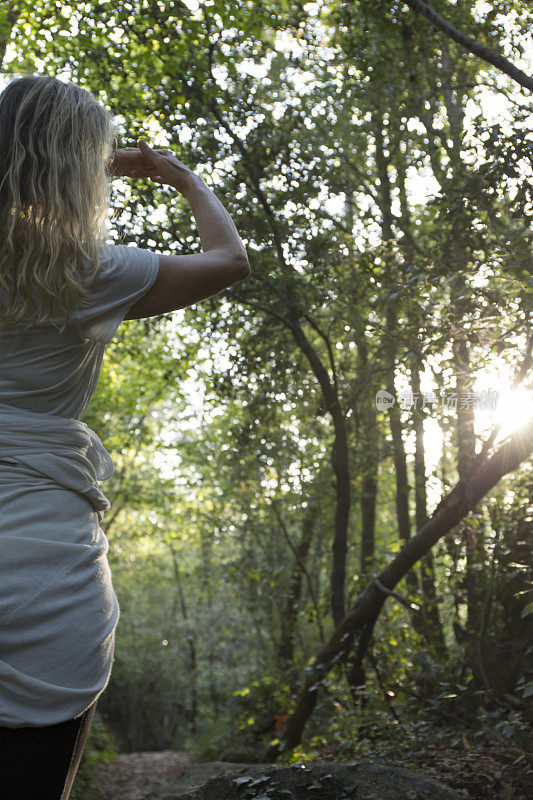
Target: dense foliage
380, 177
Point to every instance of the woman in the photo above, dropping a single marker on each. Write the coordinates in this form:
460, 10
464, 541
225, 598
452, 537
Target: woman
63, 294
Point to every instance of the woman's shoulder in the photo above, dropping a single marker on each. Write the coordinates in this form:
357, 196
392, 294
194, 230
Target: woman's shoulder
125, 274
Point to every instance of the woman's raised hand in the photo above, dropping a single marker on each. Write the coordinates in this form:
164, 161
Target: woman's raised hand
160, 166
129, 162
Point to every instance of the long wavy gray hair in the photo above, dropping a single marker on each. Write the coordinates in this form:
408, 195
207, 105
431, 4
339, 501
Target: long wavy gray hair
56, 144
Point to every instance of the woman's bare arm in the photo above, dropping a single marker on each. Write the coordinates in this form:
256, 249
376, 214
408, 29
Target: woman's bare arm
186, 279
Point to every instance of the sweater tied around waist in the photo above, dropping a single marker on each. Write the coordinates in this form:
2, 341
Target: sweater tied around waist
62, 448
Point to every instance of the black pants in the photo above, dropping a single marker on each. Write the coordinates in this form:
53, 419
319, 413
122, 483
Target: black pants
41, 763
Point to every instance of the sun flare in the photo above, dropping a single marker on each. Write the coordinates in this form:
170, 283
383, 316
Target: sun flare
514, 409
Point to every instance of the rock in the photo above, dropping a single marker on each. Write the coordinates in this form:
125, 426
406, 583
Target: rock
317, 780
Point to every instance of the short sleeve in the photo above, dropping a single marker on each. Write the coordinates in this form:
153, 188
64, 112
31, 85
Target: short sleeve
126, 274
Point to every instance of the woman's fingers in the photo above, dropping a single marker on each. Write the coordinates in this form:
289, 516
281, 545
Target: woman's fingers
169, 168
147, 151
155, 154
159, 165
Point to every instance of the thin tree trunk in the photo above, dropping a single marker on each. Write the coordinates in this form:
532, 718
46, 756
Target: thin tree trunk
390, 348
398, 447
430, 611
293, 598
369, 494
340, 462
466, 448
430, 607
191, 644
460, 304
367, 431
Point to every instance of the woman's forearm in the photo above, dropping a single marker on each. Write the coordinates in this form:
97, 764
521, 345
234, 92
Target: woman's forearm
215, 226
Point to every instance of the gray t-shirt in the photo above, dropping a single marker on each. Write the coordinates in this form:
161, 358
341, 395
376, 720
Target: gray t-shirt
58, 609
43, 370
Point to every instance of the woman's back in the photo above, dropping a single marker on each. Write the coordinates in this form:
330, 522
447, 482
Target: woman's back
44, 369
58, 610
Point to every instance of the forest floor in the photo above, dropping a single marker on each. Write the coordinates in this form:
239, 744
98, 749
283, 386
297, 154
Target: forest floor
476, 770
135, 775
476, 773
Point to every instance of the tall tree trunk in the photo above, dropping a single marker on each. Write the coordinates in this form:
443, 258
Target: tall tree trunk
460, 304
292, 602
369, 489
368, 441
191, 642
341, 468
400, 460
390, 347
430, 607
328, 386
466, 446
430, 610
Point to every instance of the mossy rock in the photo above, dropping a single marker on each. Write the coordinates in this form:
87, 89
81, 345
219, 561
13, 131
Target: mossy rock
317, 780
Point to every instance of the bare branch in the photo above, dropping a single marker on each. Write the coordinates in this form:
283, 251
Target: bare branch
324, 336
411, 607
471, 45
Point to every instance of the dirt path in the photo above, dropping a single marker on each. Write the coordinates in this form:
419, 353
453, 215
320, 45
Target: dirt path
135, 775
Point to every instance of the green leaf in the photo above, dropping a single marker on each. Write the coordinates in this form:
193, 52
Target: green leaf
527, 610
527, 690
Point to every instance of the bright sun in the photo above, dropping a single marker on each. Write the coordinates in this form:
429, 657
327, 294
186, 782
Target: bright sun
495, 405
514, 409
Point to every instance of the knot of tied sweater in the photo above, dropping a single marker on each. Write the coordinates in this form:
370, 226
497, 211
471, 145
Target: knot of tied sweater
64, 449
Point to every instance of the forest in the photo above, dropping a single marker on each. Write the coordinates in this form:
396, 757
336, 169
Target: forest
321, 518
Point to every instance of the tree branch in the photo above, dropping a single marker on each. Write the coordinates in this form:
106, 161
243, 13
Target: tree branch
411, 607
471, 45
324, 336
